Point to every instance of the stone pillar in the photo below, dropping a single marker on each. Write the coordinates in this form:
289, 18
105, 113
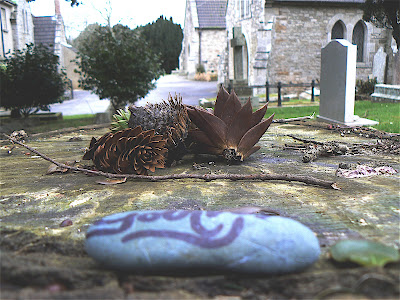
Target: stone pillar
237, 43
338, 80
57, 8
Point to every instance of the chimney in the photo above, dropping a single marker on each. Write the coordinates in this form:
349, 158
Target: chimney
57, 7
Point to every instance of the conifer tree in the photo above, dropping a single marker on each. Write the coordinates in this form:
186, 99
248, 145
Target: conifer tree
165, 37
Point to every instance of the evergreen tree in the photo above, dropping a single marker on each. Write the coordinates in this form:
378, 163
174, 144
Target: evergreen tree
384, 14
165, 37
116, 63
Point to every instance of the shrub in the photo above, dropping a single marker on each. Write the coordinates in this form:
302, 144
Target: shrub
200, 69
30, 80
365, 87
118, 64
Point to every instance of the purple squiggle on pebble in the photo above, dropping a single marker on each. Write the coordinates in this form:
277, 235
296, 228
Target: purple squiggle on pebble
203, 237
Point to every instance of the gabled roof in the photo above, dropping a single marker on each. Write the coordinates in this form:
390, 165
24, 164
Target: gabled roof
45, 31
9, 2
211, 13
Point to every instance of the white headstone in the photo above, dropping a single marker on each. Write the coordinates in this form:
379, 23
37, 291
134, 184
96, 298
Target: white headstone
338, 81
379, 66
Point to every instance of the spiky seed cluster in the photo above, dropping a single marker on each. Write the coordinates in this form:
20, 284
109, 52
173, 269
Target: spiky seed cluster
128, 151
232, 131
121, 119
169, 119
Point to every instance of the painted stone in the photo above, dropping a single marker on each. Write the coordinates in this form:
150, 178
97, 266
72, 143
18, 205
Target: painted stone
179, 240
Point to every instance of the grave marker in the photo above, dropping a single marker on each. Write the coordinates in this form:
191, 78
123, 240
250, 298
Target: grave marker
379, 66
338, 80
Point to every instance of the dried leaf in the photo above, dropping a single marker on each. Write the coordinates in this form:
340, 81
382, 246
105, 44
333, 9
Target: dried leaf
231, 108
240, 124
212, 126
222, 96
253, 135
365, 253
112, 181
53, 168
233, 129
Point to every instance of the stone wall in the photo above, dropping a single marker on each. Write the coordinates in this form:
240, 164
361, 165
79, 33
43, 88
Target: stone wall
7, 37
189, 57
200, 45
301, 31
255, 33
69, 55
22, 25
213, 43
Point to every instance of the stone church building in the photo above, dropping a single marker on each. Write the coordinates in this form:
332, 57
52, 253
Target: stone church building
278, 40
204, 36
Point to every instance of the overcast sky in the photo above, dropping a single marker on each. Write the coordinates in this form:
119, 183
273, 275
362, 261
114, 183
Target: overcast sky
131, 13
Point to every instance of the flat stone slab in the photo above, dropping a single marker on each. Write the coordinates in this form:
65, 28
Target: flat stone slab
386, 93
39, 255
170, 241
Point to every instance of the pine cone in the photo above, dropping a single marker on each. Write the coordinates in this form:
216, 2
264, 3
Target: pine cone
128, 151
169, 119
233, 129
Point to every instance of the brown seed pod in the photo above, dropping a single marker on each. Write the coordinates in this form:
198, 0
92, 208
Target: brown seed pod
128, 151
232, 130
169, 119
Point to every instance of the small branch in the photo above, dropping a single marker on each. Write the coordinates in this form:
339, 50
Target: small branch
206, 177
293, 119
315, 149
305, 140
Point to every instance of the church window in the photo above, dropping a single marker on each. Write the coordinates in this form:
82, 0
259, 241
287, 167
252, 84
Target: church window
244, 8
4, 19
358, 39
337, 31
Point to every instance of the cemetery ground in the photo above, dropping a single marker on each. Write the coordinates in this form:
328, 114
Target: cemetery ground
388, 115
42, 260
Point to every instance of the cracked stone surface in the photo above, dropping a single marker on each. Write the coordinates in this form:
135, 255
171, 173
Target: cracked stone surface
40, 259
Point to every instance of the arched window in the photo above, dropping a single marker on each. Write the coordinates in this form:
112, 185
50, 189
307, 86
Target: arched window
337, 31
358, 39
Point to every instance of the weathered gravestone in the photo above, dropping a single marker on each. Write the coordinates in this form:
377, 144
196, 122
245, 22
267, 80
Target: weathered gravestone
338, 80
379, 66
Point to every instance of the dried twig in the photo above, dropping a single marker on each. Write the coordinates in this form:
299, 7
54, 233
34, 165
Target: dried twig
315, 149
206, 177
305, 140
293, 119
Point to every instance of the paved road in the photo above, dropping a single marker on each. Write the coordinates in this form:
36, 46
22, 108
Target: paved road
84, 102
191, 91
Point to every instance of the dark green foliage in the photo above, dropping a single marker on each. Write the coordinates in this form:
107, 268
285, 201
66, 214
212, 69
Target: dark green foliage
384, 13
365, 87
84, 35
30, 80
116, 63
200, 68
165, 38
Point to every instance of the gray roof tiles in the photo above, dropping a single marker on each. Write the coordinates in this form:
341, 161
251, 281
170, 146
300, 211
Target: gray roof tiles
211, 13
45, 31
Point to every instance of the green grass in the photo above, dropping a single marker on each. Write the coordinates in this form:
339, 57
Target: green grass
67, 121
291, 112
387, 114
